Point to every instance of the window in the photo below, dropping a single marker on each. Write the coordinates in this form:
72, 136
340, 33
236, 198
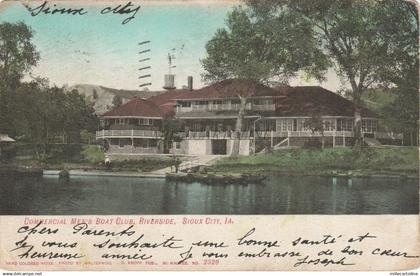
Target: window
369, 126
306, 125
124, 142
140, 143
123, 121
258, 101
115, 142
266, 125
177, 145
196, 126
145, 122
329, 124
185, 104
344, 124
152, 143
285, 124
262, 101
300, 124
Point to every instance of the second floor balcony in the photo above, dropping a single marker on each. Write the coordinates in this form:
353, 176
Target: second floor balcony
268, 134
225, 107
133, 133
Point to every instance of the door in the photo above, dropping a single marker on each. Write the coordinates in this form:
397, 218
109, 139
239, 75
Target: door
218, 147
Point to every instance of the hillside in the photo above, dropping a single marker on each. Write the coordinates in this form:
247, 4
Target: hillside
103, 100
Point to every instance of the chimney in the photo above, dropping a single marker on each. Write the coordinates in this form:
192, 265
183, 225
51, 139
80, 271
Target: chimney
169, 82
190, 83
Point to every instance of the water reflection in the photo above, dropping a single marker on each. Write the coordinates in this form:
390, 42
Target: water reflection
277, 195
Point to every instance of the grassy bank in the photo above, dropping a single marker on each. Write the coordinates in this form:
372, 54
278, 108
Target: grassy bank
337, 161
88, 157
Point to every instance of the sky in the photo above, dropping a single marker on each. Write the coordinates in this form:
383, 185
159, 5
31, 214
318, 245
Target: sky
98, 49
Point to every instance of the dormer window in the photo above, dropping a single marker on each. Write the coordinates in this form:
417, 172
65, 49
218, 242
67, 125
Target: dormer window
145, 122
123, 121
185, 104
262, 101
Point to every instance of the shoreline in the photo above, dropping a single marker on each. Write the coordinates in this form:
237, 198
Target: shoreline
83, 172
330, 173
99, 173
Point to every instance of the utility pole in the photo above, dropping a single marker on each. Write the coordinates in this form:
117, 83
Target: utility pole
144, 76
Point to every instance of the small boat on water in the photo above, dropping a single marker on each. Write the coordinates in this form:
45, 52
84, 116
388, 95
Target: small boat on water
215, 179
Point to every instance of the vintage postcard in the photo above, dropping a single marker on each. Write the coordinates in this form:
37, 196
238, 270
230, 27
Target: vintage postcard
209, 135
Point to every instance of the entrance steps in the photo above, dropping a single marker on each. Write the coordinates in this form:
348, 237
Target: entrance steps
283, 144
191, 162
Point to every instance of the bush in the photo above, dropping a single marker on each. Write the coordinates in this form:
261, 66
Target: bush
63, 152
8, 151
93, 154
87, 137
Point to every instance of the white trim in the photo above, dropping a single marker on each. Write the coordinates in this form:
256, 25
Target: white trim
229, 97
326, 117
215, 118
131, 117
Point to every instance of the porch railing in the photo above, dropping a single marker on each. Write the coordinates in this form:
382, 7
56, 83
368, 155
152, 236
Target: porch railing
388, 135
230, 134
214, 134
225, 107
133, 133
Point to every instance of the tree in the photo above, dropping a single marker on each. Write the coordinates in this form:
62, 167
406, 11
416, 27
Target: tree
17, 52
261, 50
116, 101
361, 39
316, 124
45, 113
403, 34
17, 56
248, 49
243, 92
170, 128
368, 43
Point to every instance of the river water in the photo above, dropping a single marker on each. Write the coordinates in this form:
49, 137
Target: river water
277, 195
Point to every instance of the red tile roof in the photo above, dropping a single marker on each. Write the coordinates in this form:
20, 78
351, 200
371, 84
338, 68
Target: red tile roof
166, 101
310, 100
167, 96
288, 100
136, 108
229, 88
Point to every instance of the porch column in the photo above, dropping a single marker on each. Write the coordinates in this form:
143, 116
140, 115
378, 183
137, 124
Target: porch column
272, 138
344, 139
132, 139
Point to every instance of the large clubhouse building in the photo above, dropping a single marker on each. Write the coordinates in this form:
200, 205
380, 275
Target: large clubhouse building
274, 117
